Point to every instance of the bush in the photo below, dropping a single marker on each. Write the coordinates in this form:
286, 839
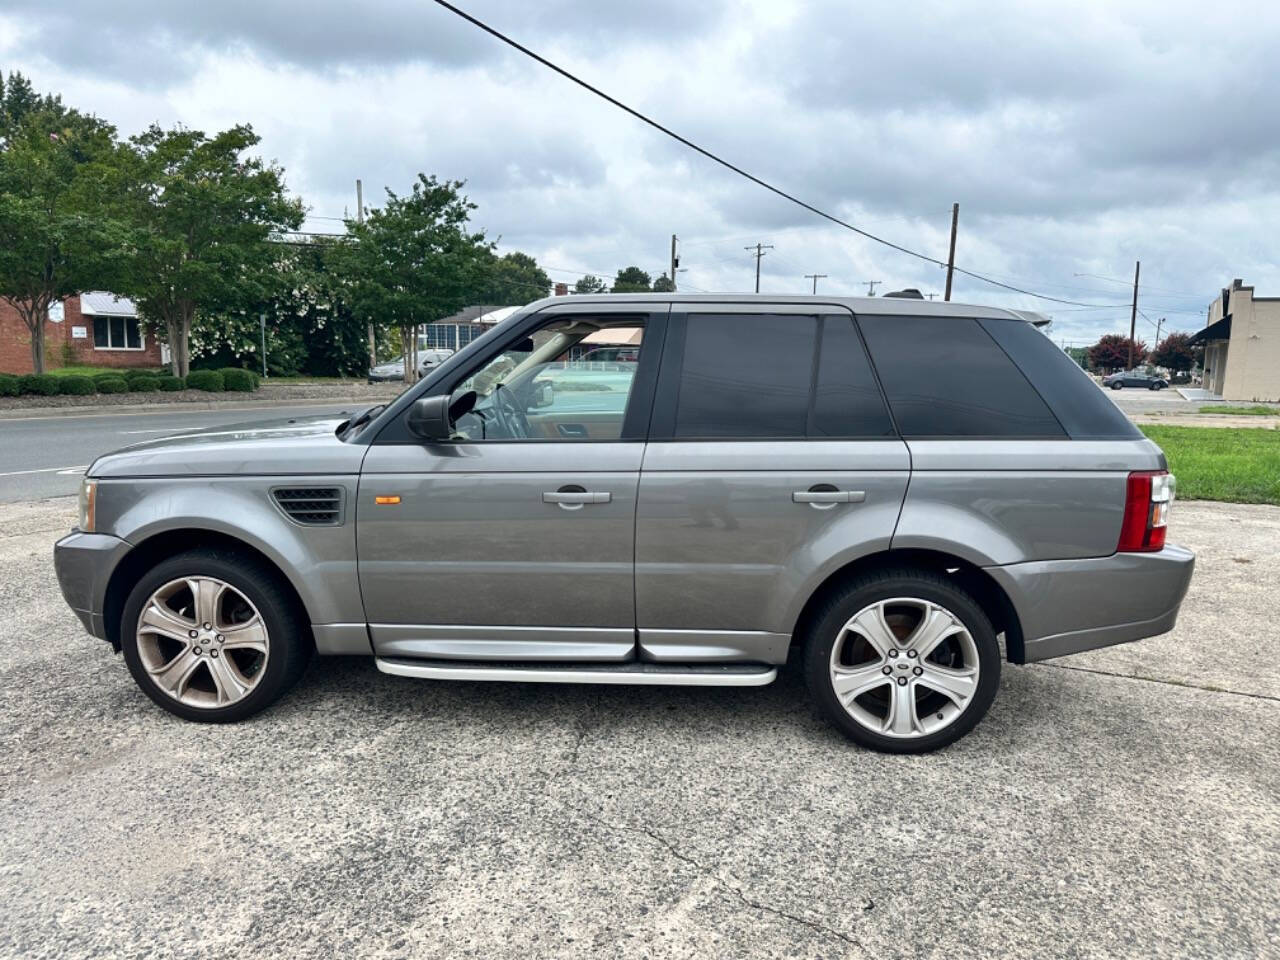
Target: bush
75, 386
44, 384
241, 381
143, 384
107, 375
132, 373
112, 385
170, 384
8, 385
207, 380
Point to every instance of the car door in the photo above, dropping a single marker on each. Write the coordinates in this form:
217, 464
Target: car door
512, 547
772, 461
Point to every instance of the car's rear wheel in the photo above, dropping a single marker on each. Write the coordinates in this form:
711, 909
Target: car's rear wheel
213, 636
1116, 386
903, 661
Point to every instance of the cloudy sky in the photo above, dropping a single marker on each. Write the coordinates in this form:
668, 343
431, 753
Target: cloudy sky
1077, 138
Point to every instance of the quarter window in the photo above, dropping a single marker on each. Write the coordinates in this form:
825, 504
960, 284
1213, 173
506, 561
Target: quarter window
846, 400
946, 377
116, 333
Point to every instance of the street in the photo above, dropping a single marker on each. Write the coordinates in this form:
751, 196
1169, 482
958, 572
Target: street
45, 457
1119, 803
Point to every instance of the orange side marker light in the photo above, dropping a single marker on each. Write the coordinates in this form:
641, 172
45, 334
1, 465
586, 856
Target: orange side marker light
383, 501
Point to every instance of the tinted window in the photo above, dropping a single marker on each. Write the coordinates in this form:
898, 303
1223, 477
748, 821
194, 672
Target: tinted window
1080, 406
946, 377
746, 375
846, 402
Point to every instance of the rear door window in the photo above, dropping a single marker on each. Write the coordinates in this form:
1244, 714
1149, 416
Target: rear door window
846, 401
946, 377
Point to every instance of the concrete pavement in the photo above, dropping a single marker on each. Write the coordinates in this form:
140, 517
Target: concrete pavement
1124, 803
46, 458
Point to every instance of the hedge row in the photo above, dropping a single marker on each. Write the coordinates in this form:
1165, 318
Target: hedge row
128, 381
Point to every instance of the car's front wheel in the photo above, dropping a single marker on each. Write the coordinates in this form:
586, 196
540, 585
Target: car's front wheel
213, 636
903, 661
1117, 385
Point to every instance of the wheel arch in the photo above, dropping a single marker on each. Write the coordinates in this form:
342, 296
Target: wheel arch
169, 543
972, 578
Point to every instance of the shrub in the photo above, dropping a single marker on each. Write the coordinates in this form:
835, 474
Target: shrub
44, 384
112, 385
132, 373
208, 380
143, 384
107, 375
8, 385
241, 381
75, 386
170, 384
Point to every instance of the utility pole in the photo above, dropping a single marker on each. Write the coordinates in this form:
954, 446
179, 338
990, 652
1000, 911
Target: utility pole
1158, 326
760, 248
373, 346
930, 295
815, 277
871, 286
1133, 314
951, 256
675, 261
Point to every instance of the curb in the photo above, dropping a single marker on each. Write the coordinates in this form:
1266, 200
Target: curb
52, 413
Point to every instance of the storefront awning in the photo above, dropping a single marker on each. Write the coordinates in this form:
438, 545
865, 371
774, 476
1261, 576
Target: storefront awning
1215, 331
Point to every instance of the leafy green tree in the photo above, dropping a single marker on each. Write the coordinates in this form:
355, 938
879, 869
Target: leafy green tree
58, 234
204, 215
1176, 353
631, 280
513, 280
590, 284
663, 284
415, 260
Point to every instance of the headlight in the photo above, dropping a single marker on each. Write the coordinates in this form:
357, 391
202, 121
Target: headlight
88, 505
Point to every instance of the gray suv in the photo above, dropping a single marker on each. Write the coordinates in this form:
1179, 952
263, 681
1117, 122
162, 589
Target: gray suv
899, 493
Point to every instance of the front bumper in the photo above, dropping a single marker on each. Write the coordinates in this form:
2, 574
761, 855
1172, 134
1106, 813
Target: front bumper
84, 563
1069, 606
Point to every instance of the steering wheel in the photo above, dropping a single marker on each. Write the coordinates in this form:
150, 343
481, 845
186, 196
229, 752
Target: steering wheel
509, 414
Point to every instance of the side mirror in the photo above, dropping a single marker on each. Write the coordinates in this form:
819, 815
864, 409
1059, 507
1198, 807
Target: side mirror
544, 394
429, 419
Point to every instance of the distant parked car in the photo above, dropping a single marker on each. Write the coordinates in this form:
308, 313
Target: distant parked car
1135, 378
394, 369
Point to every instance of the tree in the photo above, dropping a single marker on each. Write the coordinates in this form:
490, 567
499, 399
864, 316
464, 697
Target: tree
631, 280
513, 280
1112, 353
204, 215
663, 284
1176, 353
58, 237
590, 284
414, 260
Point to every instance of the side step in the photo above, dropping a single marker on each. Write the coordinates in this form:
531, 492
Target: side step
649, 674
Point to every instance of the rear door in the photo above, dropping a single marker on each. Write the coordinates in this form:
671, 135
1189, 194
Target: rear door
772, 460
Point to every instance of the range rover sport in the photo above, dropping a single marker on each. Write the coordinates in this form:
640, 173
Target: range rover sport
898, 494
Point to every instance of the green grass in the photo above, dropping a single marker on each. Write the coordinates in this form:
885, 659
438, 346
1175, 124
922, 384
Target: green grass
1254, 411
85, 371
1235, 465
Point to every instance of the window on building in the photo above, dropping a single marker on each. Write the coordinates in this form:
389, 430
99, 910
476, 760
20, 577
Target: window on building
116, 333
946, 377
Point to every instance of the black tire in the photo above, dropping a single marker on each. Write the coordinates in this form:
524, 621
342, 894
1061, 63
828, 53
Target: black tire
289, 636
1116, 386
887, 584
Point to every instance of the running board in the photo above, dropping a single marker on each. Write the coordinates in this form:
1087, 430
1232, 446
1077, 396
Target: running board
649, 674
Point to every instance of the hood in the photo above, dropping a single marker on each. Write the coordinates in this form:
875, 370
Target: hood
285, 447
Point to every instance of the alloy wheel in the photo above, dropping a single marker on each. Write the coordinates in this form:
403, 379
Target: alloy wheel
904, 667
202, 642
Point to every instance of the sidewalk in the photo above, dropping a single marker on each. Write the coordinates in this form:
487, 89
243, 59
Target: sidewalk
267, 396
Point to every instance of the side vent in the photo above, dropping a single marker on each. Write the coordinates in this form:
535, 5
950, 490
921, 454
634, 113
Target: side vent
310, 506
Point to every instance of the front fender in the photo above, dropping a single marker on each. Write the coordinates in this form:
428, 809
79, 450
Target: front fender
319, 561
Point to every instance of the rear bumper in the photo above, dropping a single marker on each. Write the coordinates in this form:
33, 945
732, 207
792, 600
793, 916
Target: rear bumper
84, 563
1069, 606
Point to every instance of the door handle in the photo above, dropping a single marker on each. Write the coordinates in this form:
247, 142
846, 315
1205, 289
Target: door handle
571, 499
828, 497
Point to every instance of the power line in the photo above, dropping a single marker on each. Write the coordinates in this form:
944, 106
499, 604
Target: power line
733, 167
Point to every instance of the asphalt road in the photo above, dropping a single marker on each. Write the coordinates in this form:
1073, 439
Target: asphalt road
45, 457
1124, 803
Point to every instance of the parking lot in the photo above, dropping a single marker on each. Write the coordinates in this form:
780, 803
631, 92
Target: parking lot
1121, 803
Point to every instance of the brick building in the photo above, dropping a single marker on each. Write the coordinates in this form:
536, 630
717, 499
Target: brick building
94, 329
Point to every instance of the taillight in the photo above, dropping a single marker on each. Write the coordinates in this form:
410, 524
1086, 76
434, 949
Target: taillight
1148, 496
